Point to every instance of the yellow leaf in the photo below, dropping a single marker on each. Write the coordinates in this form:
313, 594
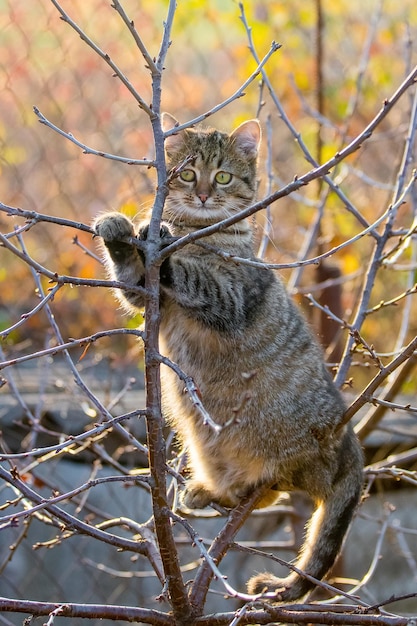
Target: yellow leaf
351, 263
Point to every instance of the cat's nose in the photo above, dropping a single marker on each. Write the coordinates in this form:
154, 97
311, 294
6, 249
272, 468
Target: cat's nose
203, 197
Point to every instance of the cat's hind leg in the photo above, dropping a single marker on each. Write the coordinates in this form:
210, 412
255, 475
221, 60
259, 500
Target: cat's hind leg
326, 529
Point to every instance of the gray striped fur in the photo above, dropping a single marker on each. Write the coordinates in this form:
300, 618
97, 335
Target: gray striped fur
258, 368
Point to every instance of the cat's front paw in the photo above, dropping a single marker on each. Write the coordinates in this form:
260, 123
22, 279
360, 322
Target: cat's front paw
113, 227
164, 232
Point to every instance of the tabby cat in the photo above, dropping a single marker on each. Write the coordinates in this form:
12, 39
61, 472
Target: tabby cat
235, 330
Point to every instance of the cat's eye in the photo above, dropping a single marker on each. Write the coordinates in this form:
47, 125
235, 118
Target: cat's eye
223, 178
187, 175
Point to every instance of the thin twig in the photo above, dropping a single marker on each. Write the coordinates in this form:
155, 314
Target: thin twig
311, 261
117, 71
359, 339
219, 547
305, 179
71, 441
70, 522
26, 316
367, 393
394, 406
68, 495
34, 217
310, 159
73, 343
372, 418
385, 303
237, 94
150, 63
373, 267
394, 473
62, 279
204, 552
194, 394
86, 149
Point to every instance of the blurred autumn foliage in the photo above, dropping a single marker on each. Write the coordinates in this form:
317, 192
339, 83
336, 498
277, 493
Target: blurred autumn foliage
368, 48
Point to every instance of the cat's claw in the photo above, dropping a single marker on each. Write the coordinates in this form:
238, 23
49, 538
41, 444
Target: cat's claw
163, 232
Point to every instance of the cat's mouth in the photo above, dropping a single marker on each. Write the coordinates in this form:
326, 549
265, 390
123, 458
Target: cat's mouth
196, 212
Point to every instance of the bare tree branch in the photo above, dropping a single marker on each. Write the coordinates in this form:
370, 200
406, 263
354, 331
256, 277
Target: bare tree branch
305, 179
238, 94
86, 149
117, 71
160, 539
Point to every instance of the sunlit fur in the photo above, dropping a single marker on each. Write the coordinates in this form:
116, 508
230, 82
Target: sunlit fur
260, 373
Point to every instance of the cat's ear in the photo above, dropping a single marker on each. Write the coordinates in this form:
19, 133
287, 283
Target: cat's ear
247, 138
173, 142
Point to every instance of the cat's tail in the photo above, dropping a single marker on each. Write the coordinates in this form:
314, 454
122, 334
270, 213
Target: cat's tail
325, 532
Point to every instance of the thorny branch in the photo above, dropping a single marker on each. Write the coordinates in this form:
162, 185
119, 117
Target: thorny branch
62, 280
297, 136
43, 503
238, 94
305, 179
117, 71
86, 149
71, 442
348, 615
74, 343
406, 355
69, 521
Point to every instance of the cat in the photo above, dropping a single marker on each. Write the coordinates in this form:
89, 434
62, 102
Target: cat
235, 330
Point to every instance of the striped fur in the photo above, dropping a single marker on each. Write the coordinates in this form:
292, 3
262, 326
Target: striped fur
259, 370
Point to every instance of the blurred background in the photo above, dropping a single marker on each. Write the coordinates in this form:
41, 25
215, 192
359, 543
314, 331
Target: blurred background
367, 49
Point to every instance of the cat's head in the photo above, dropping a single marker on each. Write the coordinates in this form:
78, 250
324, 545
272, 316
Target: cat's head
219, 178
